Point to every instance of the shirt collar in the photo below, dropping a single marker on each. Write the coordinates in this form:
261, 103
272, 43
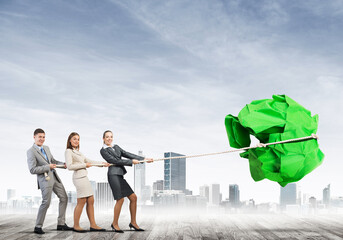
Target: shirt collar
38, 147
105, 146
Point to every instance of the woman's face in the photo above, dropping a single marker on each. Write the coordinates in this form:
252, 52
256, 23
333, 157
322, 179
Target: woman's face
74, 141
108, 139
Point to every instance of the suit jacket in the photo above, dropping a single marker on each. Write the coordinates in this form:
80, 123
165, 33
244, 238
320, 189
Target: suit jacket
114, 155
76, 162
38, 165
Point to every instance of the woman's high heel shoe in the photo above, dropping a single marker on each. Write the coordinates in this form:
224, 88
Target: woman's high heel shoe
118, 231
136, 229
97, 229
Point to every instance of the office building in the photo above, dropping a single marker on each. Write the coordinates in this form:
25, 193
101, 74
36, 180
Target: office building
139, 177
174, 172
288, 195
204, 191
10, 194
326, 195
158, 185
215, 197
234, 195
104, 198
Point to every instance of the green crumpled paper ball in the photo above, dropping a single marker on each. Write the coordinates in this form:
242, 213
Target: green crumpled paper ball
272, 120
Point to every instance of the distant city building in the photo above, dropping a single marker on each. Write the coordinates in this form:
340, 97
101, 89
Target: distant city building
195, 201
288, 195
93, 184
305, 198
104, 197
72, 201
158, 185
299, 196
3, 207
266, 207
169, 198
145, 194
251, 203
141, 190
174, 172
205, 192
215, 197
36, 201
326, 195
225, 203
139, 176
188, 192
10, 194
234, 195
313, 202
72, 197
337, 202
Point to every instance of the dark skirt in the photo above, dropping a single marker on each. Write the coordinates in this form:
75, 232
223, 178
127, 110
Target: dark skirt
120, 188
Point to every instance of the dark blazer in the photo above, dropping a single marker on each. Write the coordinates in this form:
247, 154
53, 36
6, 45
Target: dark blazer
113, 155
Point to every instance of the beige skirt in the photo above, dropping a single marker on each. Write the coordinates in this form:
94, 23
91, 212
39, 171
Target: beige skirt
83, 187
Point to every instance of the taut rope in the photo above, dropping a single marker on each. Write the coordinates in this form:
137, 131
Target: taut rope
313, 136
62, 166
93, 165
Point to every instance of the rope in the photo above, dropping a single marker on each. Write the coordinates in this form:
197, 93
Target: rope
93, 165
259, 145
313, 136
62, 166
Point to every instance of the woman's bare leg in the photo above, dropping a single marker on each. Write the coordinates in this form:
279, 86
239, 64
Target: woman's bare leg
90, 212
117, 209
77, 212
133, 209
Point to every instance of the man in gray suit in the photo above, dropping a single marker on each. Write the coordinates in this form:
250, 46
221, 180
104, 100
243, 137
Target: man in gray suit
42, 163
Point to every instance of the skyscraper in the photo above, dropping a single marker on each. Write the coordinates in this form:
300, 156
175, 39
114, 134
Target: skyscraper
234, 195
174, 172
215, 194
288, 195
326, 195
93, 184
204, 191
104, 197
158, 185
313, 202
10, 194
139, 176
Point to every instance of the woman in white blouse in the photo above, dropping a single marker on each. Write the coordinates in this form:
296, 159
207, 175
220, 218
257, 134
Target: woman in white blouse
78, 163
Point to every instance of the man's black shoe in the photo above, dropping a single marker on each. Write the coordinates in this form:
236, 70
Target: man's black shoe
38, 230
64, 228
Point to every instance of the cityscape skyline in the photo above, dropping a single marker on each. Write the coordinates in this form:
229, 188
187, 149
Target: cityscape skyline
139, 179
172, 192
289, 200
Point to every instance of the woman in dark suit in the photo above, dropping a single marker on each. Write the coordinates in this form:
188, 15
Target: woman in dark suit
120, 188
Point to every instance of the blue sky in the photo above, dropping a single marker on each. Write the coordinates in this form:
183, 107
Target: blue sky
163, 75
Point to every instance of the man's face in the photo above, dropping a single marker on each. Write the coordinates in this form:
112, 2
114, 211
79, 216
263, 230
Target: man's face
39, 139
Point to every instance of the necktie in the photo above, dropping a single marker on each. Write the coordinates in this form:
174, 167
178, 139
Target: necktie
46, 157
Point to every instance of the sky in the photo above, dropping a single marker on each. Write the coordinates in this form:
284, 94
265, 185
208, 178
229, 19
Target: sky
162, 75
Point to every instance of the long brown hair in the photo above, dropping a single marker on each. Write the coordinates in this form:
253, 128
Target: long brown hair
103, 136
69, 146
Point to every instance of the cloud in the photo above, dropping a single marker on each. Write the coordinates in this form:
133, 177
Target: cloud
163, 75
